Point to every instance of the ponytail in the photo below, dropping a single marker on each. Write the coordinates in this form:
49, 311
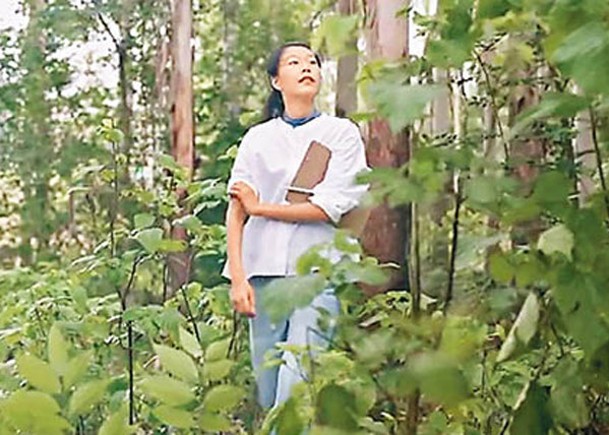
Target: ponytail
274, 106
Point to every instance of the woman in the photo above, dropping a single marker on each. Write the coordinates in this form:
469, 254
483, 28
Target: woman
277, 231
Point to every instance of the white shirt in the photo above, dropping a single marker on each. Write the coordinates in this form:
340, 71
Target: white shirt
267, 160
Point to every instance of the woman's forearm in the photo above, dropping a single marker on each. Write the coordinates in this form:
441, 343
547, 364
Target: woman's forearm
301, 212
235, 220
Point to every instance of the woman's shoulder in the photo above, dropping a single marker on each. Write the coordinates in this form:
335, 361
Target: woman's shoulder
258, 131
343, 125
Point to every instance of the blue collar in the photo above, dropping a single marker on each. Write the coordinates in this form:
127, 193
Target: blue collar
297, 122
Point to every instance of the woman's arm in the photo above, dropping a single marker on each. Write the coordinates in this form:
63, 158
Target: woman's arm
301, 212
241, 292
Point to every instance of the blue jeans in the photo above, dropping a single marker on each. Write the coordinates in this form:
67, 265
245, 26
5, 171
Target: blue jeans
300, 328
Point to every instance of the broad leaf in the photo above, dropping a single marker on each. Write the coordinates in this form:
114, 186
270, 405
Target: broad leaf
174, 417
556, 239
177, 363
222, 398
524, 328
168, 390
401, 104
38, 373
58, 351
87, 396
190, 343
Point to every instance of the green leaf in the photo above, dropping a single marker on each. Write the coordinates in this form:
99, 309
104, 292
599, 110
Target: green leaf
289, 421
492, 8
38, 373
33, 412
338, 33
87, 396
171, 245
143, 220
583, 55
174, 417
191, 223
222, 398
439, 378
217, 370
24, 408
500, 268
554, 104
217, 350
58, 351
190, 343
567, 398
215, 423
482, 190
336, 407
523, 330
77, 368
401, 104
557, 239
168, 390
552, 187
117, 424
150, 239
284, 295
531, 414
177, 363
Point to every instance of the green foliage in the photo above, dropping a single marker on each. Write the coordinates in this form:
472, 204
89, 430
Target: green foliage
92, 203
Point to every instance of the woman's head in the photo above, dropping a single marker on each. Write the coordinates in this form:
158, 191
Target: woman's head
295, 72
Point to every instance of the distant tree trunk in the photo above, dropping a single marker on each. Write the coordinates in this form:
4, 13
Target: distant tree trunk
346, 87
126, 91
385, 234
525, 155
437, 267
37, 221
182, 122
231, 79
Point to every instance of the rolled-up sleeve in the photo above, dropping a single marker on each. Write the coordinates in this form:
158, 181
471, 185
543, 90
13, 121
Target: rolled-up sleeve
339, 191
243, 168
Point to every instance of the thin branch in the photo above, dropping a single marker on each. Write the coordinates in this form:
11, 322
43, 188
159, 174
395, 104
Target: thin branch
104, 23
599, 160
491, 92
453, 252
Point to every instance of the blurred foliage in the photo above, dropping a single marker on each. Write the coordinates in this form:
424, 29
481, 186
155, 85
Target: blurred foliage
89, 338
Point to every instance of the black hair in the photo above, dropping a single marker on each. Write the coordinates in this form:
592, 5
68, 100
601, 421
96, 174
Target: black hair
274, 106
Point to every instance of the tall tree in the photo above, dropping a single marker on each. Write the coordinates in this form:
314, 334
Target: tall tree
346, 87
36, 147
182, 128
385, 234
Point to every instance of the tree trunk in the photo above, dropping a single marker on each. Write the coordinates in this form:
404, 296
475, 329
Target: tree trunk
36, 213
346, 87
385, 234
525, 155
182, 123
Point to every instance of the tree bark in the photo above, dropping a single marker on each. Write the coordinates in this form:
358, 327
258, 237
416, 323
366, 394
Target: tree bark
182, 124
346, 87
385, 234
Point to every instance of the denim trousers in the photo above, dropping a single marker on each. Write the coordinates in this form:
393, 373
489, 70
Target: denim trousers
300, 328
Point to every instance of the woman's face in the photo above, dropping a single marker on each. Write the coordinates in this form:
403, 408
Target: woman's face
299, 74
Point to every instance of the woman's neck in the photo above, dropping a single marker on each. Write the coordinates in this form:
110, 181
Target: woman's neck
296, 109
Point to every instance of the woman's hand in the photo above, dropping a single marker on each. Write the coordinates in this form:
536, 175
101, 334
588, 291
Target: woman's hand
243, 298
246, 196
